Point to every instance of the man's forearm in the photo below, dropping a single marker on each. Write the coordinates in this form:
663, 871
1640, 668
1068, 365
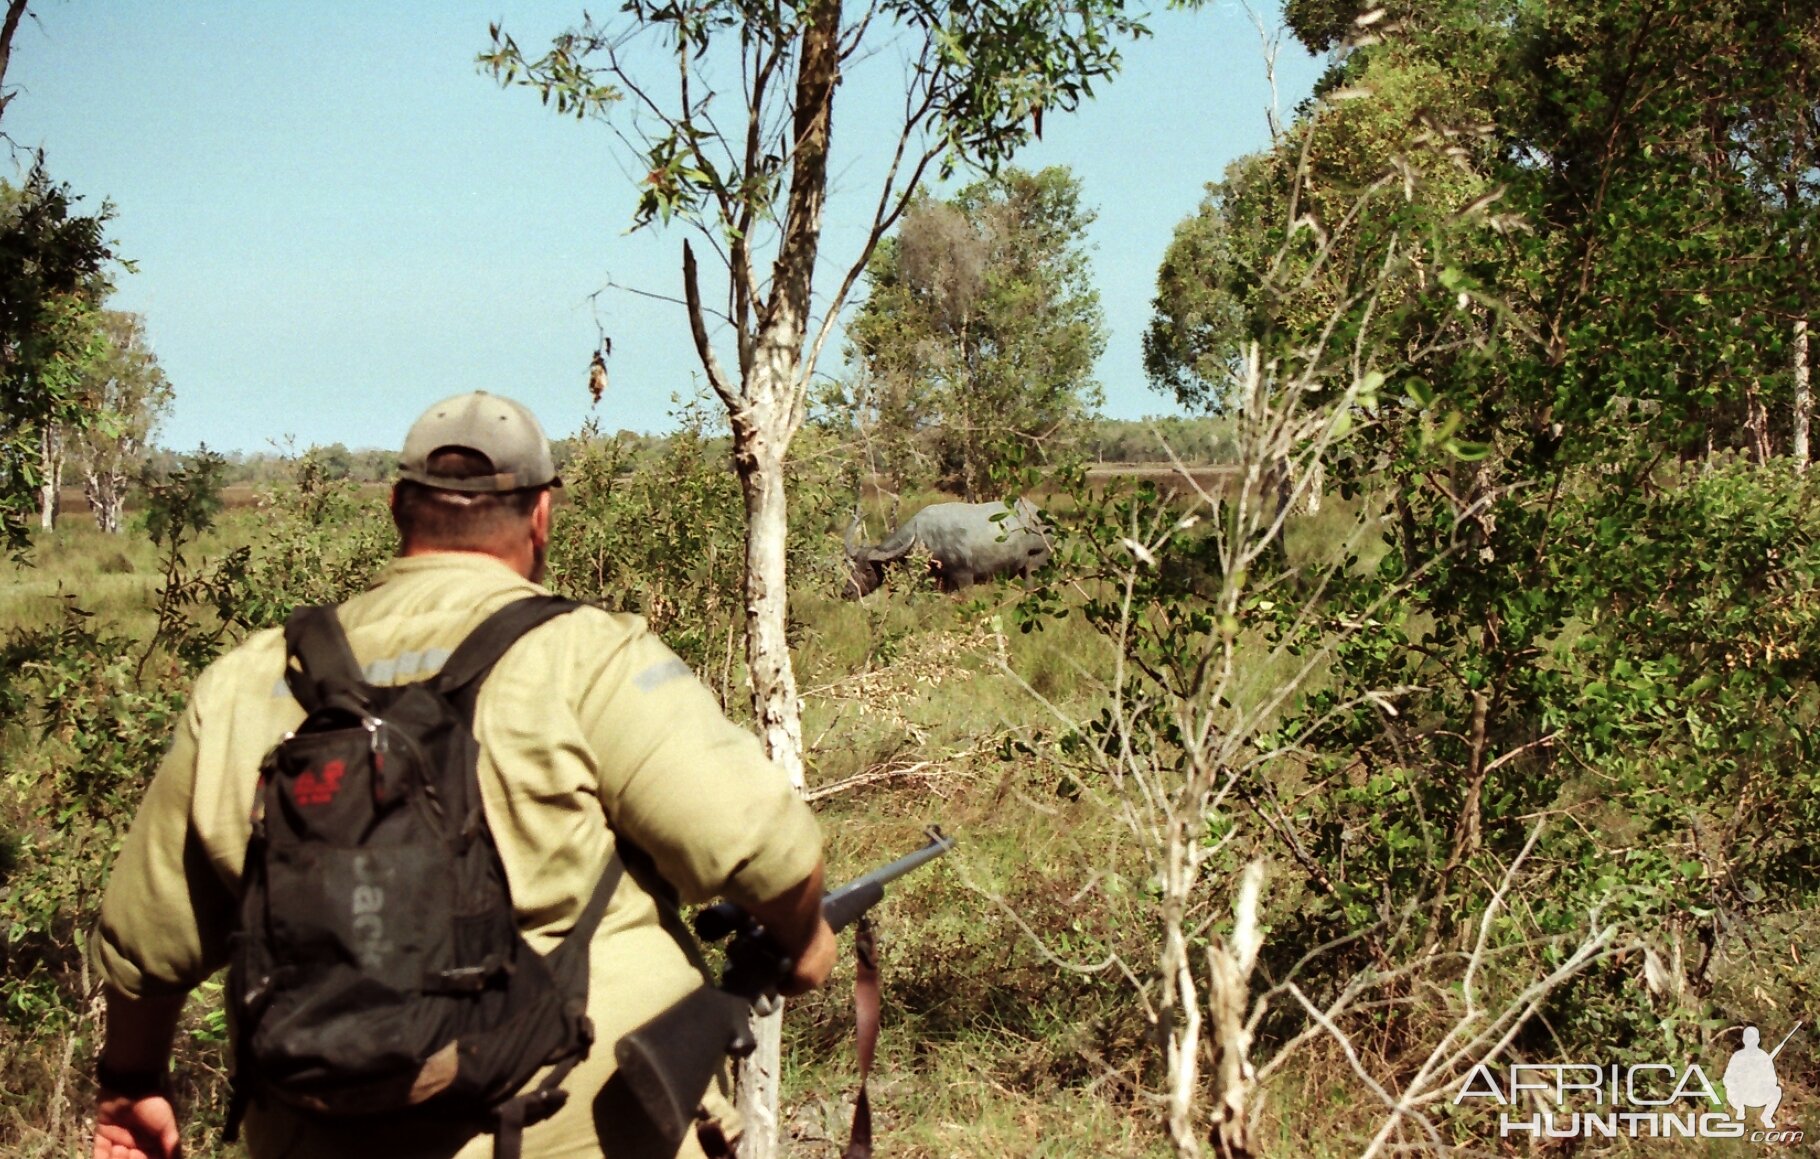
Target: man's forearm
139, 1033
792, 916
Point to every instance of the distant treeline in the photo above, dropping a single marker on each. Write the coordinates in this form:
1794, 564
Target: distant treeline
1193, 440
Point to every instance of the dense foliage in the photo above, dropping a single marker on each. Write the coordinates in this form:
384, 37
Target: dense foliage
1562, 244
52, 265
978, 336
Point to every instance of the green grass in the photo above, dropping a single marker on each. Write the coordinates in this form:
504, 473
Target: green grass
114, 577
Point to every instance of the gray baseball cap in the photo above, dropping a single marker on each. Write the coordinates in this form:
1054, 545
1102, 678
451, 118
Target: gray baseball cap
492, 425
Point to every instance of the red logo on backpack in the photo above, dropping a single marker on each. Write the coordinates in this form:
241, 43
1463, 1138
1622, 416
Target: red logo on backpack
314, 789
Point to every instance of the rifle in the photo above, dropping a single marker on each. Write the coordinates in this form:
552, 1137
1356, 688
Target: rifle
670, 1060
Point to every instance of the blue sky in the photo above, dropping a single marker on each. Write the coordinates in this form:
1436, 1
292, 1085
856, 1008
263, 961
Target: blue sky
336, 219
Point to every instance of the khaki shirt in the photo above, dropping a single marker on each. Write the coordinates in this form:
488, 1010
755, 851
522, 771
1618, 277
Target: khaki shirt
589, 728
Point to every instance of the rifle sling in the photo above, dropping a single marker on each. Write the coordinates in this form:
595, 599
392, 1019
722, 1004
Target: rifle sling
865, 1014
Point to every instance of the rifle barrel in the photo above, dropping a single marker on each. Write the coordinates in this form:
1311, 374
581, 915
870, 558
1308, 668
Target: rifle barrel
1784, 1042
842, 906
670, 1060
939, 843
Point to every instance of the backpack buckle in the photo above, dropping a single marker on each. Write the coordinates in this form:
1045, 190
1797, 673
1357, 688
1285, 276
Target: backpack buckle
388, 777
543, 1103
469, 979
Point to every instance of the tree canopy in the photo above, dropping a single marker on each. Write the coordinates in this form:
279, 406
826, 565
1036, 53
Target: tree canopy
52, 263
125, 390
1565, 241
980, 329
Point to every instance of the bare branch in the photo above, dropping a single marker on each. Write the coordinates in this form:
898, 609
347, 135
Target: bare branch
892, 201
698, 329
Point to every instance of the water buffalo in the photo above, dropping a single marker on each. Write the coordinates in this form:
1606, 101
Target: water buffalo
965, 542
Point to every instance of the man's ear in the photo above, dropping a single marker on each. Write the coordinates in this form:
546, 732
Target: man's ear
392, 505
540, 517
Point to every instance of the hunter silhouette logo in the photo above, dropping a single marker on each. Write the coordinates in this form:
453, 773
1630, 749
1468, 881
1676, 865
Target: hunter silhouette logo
1750, 1077
315, 788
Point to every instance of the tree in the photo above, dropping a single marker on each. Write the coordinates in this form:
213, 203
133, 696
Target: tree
751, 181
72, 338
1331, 237
981, 325
9, 25
126, 391
50, 267
1776, 132
1197, 328
51, 263
1563, 204
334, 459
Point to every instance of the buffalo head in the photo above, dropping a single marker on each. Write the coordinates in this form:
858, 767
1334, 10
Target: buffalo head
866, 562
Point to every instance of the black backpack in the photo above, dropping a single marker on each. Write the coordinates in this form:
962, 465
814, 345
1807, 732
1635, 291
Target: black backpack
378, 967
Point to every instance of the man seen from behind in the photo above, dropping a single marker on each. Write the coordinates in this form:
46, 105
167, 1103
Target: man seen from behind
596, 743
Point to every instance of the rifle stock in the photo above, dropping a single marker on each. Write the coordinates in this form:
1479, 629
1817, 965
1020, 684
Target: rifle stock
669, 1062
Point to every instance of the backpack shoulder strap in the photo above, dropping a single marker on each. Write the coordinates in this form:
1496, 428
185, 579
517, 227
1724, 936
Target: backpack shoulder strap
496, 634
320, 667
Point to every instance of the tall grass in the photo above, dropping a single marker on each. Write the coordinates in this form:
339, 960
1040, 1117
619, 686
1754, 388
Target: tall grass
115, 577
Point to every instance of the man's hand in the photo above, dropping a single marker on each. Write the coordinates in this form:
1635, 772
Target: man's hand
129, 1128
794, 921
813, 964
142, 1125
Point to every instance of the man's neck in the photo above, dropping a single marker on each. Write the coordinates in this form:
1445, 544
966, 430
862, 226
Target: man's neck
520, 562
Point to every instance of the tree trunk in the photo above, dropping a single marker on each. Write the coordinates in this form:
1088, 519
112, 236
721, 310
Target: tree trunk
774, 700
765, 411
763, 418
761, 433
1230, 962
50, 463
91, 492
113, 508
1804, 398
1185, 1027
1179, 1005
1756, 423
105, 491
779, 713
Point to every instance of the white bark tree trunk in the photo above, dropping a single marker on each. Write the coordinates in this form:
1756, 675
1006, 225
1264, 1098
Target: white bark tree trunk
1220, 1022
50, 491
1804, 398
1230, 962
759, 457
1180, 1005
106, 493
765, 414
763, 424
1756, 423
